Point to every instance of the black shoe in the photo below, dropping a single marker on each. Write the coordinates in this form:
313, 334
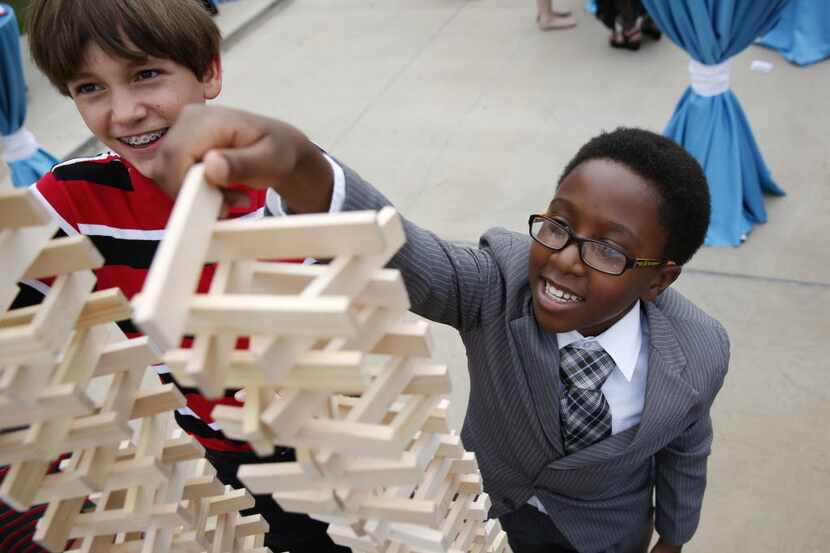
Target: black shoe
650, 29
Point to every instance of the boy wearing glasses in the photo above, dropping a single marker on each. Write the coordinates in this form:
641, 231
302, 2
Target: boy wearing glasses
591, 382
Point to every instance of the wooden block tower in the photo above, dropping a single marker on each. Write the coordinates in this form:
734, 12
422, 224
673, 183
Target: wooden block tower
333, 370
72, 385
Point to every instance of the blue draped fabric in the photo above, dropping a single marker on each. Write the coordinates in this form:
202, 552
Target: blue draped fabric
591, 6
714, 128
802, 35
13, 103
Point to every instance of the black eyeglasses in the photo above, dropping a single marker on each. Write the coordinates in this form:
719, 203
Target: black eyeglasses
603, 257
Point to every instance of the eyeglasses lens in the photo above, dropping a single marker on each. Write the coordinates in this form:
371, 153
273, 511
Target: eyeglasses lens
603, 258
549, 234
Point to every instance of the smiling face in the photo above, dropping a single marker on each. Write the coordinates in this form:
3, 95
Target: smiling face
130, 105
605, 201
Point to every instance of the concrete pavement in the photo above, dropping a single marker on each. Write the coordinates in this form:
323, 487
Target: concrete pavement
463, 113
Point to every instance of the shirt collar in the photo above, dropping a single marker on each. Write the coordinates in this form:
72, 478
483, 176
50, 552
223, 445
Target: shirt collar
622, 341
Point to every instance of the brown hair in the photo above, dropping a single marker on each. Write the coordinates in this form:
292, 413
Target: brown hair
178, 30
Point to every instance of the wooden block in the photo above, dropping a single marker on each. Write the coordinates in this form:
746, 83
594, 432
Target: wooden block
469, 483
436, 474
82, 355
373, 324
20, 247
231, 501
344, 535
419, 537
286, 414
211, 353
96, 429
465, 465
253, 430
152, 402
209, 359
100, 307
479, 508
126, 355
382, 392
244, 314
20, 208
104, 306
313, 370
65, 255
465, 538
406, 339
436, 422
122, 474
410, 511
320, 236
275, 356
182, 448
162, 309
20, 485
121, 521
150, 443
412, 418
202, 486
430, 380
350, 438
357, 473
159, 536
384, 287
63, 401
49, 330
450, 446
451, 525
52, 530
223, 537
244, 527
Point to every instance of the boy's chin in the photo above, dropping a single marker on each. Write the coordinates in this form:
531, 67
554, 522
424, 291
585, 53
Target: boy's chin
142, 164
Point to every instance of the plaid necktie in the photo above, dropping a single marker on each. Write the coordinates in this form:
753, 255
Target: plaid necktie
584, 410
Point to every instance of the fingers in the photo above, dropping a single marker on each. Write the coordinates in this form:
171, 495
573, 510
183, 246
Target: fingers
260, 164
197, 131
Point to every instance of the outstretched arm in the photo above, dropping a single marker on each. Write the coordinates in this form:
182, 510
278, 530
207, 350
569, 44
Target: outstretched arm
446, 282
238, 147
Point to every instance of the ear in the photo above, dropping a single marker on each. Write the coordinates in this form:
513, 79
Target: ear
662, 280
212, 79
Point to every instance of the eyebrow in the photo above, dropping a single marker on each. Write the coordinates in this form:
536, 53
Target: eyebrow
612, 226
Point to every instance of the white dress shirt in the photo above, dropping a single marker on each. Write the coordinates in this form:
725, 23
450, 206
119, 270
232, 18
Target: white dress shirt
338, 195
625, 388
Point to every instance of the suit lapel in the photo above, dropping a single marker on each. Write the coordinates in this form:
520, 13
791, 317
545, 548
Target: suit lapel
669, 396
539, 354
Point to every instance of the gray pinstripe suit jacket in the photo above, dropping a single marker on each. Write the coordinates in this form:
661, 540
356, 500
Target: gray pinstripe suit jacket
595, 496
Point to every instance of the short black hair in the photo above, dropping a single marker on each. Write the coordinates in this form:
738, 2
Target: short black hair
677, 177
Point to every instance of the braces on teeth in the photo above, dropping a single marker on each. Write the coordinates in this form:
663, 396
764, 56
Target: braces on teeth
143, 139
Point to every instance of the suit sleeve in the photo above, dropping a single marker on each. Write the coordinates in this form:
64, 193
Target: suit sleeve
680, 469
446, 282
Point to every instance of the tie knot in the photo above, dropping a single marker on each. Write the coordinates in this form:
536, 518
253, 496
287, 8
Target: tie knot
585, 368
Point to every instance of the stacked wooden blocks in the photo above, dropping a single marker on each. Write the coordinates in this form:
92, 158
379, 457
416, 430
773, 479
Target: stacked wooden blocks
332, 370
72, 384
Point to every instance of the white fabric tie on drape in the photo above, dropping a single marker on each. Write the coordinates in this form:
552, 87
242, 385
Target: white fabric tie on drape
709, 80
19, 145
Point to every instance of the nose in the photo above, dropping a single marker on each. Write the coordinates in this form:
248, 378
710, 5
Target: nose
567, 260
127, 107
